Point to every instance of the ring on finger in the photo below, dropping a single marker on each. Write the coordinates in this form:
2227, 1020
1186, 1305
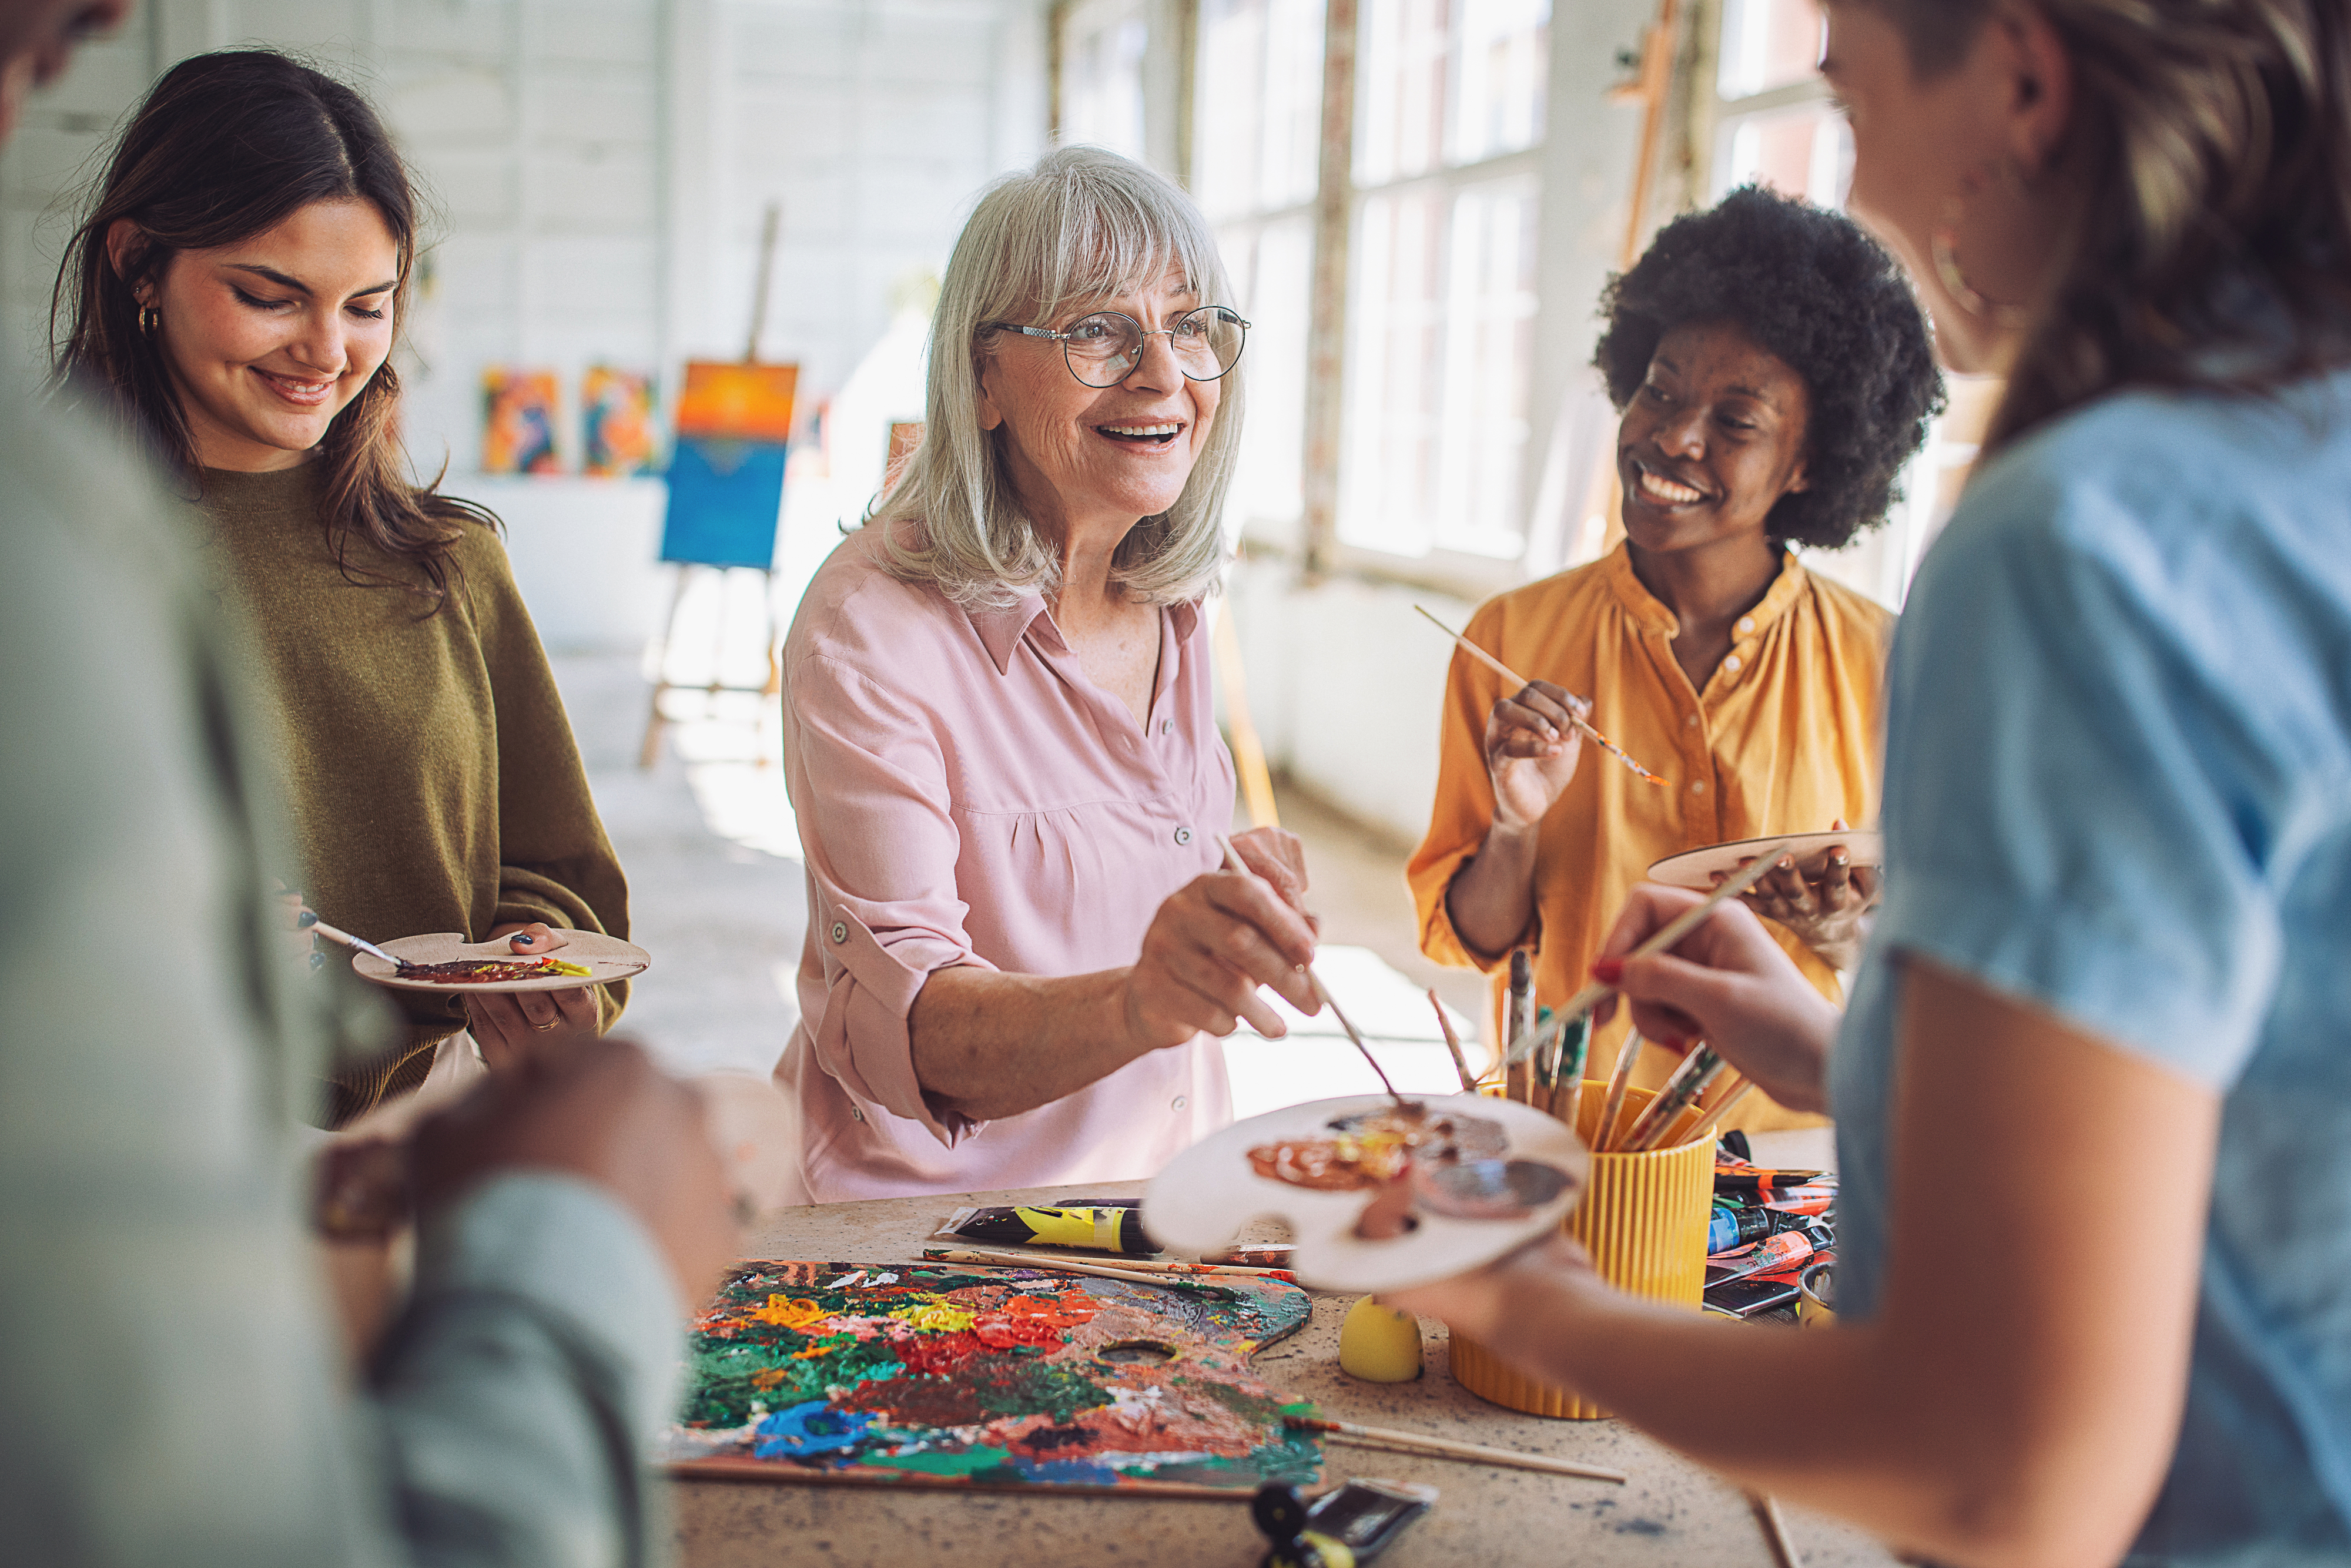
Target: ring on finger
543, 1028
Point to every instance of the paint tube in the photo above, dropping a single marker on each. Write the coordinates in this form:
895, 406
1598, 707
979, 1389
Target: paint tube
1786, 1250
1340, 1529
1736, 1228
1101, 1227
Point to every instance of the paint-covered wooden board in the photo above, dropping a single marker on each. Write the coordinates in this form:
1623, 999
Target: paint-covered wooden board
937, 1373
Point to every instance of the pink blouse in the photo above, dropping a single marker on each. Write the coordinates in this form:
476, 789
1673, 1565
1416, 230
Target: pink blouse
967, 795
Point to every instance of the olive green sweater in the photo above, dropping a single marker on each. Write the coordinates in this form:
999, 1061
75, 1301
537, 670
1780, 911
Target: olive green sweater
427, 762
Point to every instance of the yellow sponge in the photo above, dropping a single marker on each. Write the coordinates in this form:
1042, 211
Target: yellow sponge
1379, 1344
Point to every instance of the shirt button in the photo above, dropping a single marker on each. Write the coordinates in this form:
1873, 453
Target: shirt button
1691, 721
841, 931
1179, 1103
1166, 727
1699, 788
1182, 835
1730, 662
1746, 625
855, 1114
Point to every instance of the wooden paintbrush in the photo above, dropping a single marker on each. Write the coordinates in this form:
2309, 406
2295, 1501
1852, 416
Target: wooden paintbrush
1233, 863
1452, 1044
1448, 1448
1681, 925
1519, 682
1603, 1131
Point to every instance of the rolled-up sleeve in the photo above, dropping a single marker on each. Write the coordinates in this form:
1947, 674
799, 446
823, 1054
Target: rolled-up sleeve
882, 847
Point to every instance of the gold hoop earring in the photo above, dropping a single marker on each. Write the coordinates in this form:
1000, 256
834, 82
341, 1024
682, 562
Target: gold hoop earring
149, 319
1945, 244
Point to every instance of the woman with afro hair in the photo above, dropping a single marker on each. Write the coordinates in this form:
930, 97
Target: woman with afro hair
1774, 373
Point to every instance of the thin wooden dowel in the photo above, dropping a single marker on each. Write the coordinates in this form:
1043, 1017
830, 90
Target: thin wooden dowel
1603, 1131
1447, 1448
1519, 682
1674, 930
1775, 1530
1233, 863
1452, 1044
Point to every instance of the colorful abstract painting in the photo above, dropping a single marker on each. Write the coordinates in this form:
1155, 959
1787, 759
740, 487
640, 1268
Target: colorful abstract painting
616, 422
518, 411
992, 1377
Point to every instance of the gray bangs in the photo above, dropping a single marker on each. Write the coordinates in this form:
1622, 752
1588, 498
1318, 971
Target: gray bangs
1082, 225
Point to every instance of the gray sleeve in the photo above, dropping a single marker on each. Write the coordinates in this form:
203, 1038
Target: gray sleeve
169, 1388
538, 1359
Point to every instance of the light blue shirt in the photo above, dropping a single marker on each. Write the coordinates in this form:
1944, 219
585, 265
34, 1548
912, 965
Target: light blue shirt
2119, 785
170, 1392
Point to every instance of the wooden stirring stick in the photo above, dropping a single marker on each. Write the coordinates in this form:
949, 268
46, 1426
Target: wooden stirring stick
1681, 925
1233, 863
1519, 683
1452, 1044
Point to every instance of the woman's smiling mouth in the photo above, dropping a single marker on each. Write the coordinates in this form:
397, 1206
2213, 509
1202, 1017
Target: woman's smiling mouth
1155, 433
302, 392
1658, 490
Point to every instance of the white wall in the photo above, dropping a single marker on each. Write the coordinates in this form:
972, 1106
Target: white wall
600, 170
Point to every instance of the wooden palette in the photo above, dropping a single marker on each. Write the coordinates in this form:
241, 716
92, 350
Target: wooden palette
1206, 1193
998, 1379
1697, 869
605, 957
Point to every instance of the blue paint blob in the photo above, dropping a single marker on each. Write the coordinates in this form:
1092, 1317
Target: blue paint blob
813, 1428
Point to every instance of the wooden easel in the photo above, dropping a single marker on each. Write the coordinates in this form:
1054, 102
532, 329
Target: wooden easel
649, 753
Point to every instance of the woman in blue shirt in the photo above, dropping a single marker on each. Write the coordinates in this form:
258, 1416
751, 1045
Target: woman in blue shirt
2094, 1092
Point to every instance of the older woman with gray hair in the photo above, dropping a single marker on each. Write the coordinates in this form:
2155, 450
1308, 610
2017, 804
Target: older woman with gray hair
998, 730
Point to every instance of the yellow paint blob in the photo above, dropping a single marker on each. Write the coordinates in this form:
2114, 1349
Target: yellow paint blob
1379, 1344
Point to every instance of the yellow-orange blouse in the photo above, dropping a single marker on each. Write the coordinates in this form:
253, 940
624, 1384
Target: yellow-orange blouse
1784, 739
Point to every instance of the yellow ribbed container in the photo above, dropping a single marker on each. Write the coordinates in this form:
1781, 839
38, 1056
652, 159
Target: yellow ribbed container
1643, 1219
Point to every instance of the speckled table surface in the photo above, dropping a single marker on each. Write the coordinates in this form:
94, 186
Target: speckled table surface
1669, 1513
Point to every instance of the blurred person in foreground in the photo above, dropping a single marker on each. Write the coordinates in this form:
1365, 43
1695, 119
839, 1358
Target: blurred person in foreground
999, 730
170, 1389
1773, 373
2094, 1091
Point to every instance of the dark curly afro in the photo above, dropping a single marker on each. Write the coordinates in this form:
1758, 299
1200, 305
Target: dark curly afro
1809, 287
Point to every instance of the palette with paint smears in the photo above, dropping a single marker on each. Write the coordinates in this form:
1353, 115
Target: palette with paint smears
1206, 1193
604, 957
948, 1374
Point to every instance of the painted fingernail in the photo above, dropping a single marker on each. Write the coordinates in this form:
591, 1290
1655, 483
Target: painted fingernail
1608, 971
318, 959
303, 921
524, 938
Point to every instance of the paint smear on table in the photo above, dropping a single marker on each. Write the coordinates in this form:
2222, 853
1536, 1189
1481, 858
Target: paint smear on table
998, 1377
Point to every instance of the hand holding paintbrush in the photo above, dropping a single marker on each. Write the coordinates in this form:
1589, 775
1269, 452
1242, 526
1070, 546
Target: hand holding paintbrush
1726, 981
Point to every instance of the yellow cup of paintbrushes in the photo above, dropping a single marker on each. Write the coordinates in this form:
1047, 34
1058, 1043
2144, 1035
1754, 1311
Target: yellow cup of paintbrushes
1643, 1218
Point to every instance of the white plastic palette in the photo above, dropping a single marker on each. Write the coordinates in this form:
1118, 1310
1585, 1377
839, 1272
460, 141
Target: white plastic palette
604, 957
1206, 1193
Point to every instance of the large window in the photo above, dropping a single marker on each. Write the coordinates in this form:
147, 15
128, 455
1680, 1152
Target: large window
1256, 137
1774, 125
1450, 103
1102, 47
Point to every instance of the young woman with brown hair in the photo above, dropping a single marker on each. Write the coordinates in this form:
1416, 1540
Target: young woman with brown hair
2092, 1093
233, 295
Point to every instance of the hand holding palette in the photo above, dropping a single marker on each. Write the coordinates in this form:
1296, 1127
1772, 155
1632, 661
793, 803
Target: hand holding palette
1376, 1196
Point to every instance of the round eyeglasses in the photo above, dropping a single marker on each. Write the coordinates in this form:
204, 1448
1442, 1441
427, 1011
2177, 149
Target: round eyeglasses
1103, 348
